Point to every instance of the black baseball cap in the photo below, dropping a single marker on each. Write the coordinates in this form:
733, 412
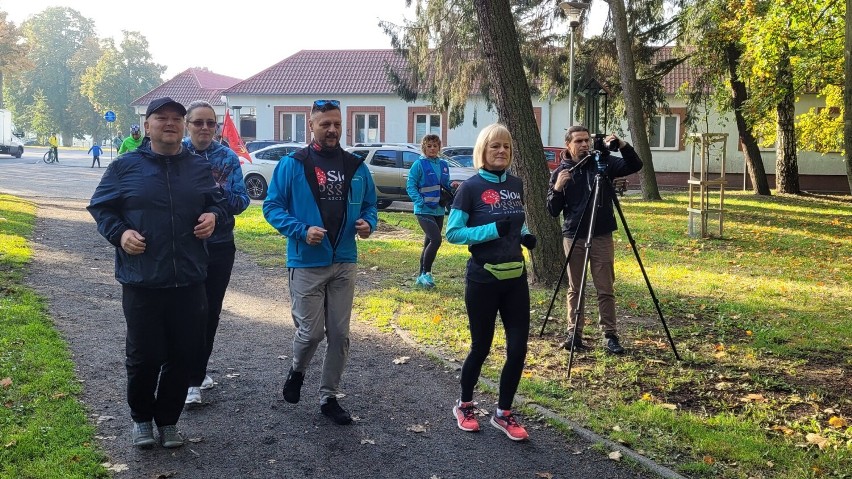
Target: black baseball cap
160, 103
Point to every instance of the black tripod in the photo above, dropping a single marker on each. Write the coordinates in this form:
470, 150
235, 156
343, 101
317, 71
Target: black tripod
595, 200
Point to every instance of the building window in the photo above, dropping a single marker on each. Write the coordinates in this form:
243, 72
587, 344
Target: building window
367, 128
426, 124
293, 127
665, 131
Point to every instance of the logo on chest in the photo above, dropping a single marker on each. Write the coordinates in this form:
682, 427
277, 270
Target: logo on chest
502, 200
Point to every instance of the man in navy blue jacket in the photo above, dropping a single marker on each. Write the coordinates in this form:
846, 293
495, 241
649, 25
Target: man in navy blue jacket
157, 205
320, 198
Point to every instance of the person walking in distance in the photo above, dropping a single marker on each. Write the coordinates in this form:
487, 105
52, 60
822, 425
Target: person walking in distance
426, 178
201, 125
488, 216
53, 142
320, 197
131, 142
96, 152
157, 205
568, 194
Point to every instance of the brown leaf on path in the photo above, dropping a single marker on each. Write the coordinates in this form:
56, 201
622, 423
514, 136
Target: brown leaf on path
544, 475
416, 428
401, 360
615, 455
784, 429
753, 398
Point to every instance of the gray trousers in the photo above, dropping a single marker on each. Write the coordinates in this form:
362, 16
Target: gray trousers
321, 305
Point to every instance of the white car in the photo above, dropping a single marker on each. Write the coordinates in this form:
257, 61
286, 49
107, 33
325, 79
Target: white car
258, 173
389, 164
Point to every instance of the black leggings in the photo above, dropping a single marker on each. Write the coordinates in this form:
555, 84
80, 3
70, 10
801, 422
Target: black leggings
219, 266
511, 298
432, 226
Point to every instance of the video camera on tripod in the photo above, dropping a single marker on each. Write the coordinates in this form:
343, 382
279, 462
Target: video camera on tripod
599, 154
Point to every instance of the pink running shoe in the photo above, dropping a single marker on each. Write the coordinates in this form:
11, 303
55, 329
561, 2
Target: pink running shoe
465, 413
510, 426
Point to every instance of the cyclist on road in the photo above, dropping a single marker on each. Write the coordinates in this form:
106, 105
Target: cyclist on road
131, 142
54, 146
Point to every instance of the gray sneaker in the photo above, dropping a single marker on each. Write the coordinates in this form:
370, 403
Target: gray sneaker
170, 437
207, 383
142, 434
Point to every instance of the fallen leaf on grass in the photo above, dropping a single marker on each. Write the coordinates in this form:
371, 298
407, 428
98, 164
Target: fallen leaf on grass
709, 460
6, 382
666, 405
837, 422
784, 429
436, 319
721, 386
814, 438
416, 428
401, 360
615, 455
753, 398
367, 441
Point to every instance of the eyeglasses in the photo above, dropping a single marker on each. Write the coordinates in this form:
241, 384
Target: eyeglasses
323, 106
200, 123
323, 103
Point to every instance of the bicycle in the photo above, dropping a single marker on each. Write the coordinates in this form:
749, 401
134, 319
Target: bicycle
50, 156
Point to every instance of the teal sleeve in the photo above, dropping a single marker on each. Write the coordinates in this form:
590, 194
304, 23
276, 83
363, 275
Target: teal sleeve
459, 233
412, 186
524, 230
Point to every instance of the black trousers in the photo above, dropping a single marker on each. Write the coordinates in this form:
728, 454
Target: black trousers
164, 335
432, 226
219, 267
511, 298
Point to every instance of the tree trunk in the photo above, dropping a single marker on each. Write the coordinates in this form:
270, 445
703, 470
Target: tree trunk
751, 151
847, 97
514, 108
786, 163
635, 116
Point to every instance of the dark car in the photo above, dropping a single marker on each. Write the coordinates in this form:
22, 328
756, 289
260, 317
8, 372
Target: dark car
452, 151
255, 145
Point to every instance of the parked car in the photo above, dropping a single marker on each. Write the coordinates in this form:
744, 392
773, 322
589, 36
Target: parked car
258, 173
255, 145
453, 151
389, 165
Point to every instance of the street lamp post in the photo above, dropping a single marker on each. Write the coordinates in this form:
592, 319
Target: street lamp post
574, 11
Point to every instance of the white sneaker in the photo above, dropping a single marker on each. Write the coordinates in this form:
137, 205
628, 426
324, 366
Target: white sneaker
207, 383
193, 396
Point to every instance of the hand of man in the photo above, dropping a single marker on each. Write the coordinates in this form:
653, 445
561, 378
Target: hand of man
132, 242
314, 235
562, 179
206, 225
363, 228
621, 143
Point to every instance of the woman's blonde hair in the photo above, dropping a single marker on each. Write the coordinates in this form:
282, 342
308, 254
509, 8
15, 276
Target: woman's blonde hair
486, 136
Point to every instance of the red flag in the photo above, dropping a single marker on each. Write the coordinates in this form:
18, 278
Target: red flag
230, 134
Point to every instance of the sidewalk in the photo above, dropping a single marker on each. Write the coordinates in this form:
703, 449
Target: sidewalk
403, 429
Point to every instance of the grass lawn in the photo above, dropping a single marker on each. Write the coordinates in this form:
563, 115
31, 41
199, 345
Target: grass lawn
44, 432
760, 319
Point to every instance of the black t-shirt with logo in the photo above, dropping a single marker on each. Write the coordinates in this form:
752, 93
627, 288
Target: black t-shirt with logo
488, 202
328, 168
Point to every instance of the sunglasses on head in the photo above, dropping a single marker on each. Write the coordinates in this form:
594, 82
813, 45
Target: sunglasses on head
200, 123
325, 105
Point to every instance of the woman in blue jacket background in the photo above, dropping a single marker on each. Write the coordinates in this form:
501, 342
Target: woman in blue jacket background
425, 179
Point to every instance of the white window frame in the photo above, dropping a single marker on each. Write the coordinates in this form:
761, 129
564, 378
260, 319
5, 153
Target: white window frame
428, 117
284, 135
368, 138
661, 118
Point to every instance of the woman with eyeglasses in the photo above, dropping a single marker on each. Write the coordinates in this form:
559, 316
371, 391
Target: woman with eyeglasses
201, 125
